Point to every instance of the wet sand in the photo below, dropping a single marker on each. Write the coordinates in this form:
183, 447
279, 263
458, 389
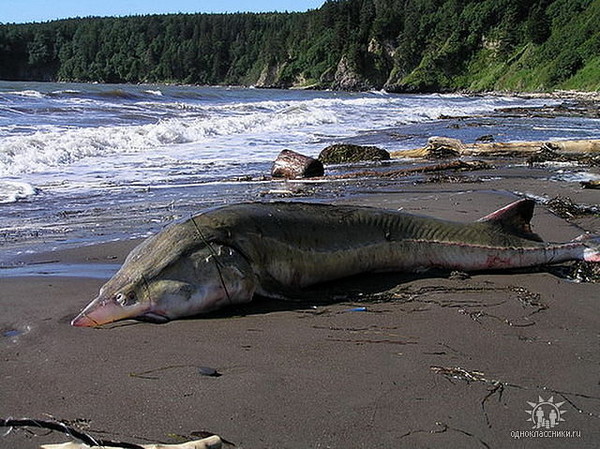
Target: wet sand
427, 361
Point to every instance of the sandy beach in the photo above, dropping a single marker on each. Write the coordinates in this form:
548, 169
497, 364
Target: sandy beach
407, 361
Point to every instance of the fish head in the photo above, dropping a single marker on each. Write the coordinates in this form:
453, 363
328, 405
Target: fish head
113, 304
204, 280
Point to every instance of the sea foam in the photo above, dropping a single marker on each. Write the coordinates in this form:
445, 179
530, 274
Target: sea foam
250, 123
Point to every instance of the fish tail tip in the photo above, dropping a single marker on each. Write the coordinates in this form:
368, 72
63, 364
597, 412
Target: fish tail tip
592, 251
591, 255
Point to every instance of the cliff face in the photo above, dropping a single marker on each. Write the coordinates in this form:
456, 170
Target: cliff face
270, 76
399, 45
347, 77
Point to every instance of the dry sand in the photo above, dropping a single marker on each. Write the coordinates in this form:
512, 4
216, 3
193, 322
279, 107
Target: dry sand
448, 363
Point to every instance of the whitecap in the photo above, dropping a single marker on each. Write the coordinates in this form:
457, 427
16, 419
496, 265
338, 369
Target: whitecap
13, 191
27, 93
67, 92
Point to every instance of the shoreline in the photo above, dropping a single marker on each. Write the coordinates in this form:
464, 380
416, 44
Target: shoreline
355, 182
562, 94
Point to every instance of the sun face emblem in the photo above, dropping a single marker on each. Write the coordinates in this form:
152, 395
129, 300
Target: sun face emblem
545, 414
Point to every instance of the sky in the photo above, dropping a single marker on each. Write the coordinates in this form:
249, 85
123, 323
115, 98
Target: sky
24, 11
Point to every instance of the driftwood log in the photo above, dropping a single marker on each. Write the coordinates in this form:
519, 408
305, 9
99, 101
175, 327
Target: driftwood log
86, 441
595, 184
290, 165
447, 147
207, 443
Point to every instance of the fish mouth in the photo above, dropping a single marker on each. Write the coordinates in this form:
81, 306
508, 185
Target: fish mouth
85, 320
152, 317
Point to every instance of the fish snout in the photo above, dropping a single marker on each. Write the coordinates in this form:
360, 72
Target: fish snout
82, 320
104, 310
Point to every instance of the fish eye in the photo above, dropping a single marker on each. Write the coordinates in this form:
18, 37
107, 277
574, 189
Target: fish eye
125, 299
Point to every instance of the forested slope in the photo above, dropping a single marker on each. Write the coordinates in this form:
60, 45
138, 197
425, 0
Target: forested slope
399, 45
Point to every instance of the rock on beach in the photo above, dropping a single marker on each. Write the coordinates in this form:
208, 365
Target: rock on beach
343, 153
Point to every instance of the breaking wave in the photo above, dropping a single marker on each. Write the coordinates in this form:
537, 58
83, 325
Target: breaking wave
251, 124
38, 151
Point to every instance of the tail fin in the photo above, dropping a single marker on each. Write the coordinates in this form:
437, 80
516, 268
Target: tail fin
515, 219
591, 253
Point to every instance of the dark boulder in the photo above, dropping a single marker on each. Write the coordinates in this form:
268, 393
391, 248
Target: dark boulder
342, 153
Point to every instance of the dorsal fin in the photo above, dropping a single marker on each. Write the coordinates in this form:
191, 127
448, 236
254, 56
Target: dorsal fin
515, 219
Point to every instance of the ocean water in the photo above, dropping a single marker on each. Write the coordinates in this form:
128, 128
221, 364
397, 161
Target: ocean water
86, 162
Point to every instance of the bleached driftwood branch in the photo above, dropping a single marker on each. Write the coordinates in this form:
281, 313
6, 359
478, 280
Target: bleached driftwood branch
445, 146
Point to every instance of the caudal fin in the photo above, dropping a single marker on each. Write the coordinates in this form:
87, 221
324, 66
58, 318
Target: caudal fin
591, 253
515, 219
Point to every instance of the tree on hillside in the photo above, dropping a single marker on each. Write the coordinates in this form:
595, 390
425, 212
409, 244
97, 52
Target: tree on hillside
406, 45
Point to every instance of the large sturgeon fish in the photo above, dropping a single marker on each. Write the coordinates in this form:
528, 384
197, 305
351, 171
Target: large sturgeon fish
228, 254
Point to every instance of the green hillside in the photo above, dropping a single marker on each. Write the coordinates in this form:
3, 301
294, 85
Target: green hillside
399, 45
